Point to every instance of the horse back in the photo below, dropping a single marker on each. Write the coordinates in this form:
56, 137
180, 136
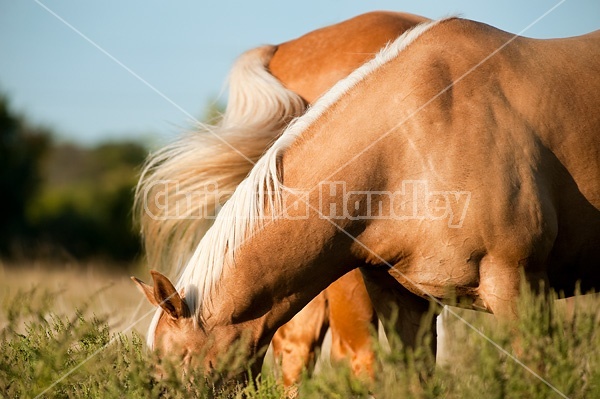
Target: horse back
314, 62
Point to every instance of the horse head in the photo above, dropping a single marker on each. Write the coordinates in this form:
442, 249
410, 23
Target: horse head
176, 336
188, 344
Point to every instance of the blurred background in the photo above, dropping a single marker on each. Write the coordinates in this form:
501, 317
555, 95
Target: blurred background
87, 89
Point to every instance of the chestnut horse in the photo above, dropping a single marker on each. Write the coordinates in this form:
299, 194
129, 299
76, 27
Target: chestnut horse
269, 86
461, 159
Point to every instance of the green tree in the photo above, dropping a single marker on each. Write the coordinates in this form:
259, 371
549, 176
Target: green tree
21, 152
63, 199
84, 208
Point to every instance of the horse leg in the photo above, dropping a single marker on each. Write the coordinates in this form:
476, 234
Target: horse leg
295, 343
499, 284
351, 318
499, 289
395, 303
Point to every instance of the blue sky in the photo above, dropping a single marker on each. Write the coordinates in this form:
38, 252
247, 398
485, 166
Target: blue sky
184, 49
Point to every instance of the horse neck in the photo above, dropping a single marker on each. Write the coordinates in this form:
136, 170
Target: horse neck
289, 260
286, 262
278, 271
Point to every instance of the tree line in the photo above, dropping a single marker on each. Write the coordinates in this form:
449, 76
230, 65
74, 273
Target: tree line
62, 200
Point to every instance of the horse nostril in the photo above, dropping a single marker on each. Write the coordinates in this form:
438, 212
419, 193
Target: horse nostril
158, 373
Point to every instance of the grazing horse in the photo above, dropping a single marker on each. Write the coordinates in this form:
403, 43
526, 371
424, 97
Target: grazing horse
460, 159
269, 86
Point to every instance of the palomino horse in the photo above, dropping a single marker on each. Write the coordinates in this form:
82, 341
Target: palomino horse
259, 109
461, 158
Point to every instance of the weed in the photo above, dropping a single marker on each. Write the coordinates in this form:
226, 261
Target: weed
48, 355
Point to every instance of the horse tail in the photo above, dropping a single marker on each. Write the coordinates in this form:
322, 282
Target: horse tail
183, 185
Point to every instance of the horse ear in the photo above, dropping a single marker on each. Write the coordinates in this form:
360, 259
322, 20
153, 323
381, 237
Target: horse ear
146, 290
167, 297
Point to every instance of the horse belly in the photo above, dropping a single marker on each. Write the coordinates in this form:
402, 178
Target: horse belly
440, 277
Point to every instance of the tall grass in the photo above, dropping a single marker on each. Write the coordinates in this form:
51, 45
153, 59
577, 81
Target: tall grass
45, 354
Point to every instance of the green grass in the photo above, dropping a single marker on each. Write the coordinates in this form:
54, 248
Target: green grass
59, 352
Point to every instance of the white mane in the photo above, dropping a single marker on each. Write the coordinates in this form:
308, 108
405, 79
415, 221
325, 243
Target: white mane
245, 211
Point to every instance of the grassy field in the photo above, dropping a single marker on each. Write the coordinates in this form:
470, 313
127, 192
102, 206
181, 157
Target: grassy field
93, 288
78, 332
